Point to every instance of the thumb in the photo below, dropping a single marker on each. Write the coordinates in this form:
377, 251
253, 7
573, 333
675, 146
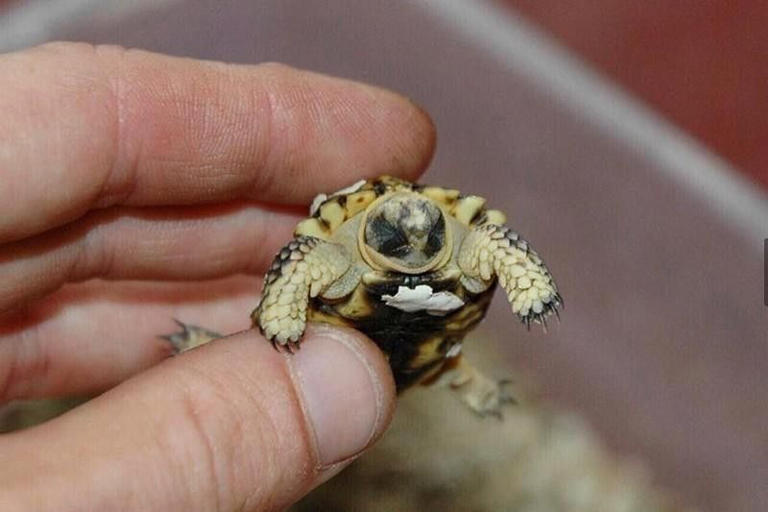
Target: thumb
233, 425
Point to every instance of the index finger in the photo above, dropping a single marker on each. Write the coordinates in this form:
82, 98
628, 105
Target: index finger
87, 127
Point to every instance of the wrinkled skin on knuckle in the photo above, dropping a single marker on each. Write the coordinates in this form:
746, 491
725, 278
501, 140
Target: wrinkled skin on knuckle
230, 445
199, 445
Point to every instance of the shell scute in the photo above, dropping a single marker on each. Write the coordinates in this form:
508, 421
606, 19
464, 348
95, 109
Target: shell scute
345, 285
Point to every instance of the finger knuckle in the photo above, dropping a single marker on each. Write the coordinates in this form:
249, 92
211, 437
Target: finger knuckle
216, 437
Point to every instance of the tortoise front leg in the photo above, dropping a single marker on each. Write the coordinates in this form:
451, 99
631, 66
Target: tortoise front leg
492, 250
302, 269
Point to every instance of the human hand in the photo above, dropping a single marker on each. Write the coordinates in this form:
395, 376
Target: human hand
128, 178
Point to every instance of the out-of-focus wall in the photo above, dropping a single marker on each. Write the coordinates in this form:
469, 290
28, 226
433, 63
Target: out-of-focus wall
702, 63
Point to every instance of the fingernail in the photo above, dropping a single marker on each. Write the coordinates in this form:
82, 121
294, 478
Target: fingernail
343, 396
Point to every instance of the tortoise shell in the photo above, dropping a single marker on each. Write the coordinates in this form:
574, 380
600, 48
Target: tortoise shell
412, 266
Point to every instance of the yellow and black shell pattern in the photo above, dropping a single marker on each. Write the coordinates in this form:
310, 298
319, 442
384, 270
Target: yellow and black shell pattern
412, 266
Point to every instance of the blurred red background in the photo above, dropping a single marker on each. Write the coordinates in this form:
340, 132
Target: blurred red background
701, 63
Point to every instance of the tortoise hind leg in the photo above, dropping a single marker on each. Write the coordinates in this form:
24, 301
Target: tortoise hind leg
483, 395
189, 337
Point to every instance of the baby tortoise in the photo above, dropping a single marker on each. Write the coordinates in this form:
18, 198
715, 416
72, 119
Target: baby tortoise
413, 267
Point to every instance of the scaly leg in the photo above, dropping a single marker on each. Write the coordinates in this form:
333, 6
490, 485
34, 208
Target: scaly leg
189, 337
494, 251
304, 268
483, 395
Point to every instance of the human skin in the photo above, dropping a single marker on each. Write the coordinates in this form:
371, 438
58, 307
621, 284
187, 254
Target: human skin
136, 188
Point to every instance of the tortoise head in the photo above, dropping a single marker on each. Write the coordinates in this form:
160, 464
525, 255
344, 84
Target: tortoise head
405, 232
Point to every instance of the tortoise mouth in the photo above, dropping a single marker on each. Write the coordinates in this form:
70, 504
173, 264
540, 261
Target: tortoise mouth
404, 232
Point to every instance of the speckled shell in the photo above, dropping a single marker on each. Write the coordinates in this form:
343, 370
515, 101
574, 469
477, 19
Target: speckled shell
329, 214
328, 274
415, 343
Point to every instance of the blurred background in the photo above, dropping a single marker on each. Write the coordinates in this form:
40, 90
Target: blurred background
703, 64
627, 142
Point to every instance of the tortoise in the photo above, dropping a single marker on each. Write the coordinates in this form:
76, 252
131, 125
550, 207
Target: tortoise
412, 266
